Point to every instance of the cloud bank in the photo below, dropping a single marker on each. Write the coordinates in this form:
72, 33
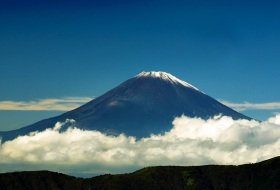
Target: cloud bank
191, 141
55, 104
252, 106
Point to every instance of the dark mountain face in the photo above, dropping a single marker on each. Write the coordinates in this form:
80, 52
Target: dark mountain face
140, 106
261, 176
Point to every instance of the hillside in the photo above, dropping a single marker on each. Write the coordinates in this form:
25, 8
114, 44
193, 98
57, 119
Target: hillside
264, 175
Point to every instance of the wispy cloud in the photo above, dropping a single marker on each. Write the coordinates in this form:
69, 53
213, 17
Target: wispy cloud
53, 104
252, 106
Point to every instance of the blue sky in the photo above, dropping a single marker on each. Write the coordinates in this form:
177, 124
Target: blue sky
49, 50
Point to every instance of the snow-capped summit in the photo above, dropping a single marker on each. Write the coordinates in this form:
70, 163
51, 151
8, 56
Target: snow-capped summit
143, 105
165, 76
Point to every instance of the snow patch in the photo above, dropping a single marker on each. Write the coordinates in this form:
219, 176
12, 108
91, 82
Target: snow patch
166, 76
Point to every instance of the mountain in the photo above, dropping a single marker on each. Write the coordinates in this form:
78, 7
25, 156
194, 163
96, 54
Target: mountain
261, 176
144, 104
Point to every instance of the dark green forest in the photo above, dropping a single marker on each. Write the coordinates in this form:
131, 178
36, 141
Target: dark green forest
260, 176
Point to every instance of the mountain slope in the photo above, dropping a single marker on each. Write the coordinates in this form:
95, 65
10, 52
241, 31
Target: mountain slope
140, 106
261, 176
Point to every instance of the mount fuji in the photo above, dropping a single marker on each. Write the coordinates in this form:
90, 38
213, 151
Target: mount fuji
143, 105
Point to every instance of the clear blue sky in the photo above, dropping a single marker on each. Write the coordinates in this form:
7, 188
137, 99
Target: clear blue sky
228, 49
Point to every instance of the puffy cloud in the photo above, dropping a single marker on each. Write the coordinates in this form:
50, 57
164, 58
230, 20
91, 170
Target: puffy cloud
58, 104
252, 106
191, 141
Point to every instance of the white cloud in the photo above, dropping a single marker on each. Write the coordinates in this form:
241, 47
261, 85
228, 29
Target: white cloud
252, 106
191, 141
55, 104
69, 103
